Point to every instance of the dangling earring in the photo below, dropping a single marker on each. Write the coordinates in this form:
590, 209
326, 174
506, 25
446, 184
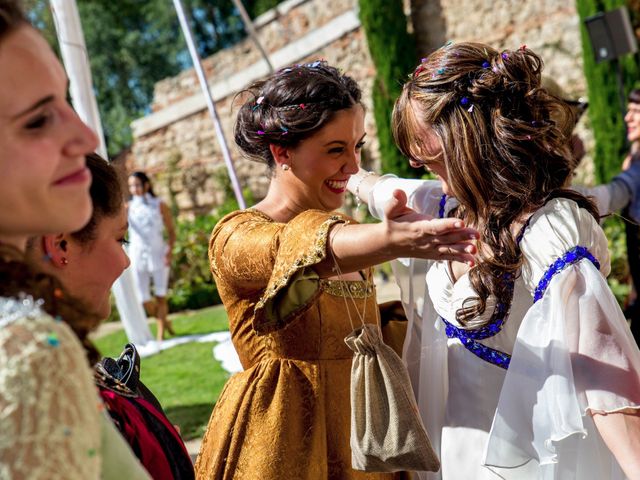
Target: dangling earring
285, 167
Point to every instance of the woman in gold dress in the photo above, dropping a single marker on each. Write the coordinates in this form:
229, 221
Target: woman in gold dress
287, 415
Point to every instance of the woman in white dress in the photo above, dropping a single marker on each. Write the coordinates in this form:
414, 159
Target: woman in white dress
523, 366
149, 219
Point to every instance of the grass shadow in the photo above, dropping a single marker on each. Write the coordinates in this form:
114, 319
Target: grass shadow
192, 419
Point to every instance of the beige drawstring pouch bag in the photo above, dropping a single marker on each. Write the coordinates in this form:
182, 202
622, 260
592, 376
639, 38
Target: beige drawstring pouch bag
387, 434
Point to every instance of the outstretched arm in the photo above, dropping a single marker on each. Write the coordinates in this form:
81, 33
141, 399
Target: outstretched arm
402, 233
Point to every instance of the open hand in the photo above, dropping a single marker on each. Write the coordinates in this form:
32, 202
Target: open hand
412, 234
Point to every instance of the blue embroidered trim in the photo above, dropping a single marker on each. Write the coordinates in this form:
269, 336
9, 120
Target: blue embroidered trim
569, 258
443, 200
469, 338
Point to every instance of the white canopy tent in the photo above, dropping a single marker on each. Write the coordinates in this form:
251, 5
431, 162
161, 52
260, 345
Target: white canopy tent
204, 85
76, 61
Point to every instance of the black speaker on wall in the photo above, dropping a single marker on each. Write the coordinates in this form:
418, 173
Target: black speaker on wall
611, 34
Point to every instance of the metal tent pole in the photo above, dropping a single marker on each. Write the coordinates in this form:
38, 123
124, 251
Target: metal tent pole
197, 65
248, 23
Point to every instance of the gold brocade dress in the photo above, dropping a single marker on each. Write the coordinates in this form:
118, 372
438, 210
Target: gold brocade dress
287, 415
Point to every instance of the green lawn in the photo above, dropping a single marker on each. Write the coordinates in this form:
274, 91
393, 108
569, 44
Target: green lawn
186, 379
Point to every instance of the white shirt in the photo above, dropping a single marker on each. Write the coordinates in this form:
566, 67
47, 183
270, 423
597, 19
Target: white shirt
147, 248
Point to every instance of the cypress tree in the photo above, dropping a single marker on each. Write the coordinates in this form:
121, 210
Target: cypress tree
393, 51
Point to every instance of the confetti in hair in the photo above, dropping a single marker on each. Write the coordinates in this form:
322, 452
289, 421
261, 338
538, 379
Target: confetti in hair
283, 131
258, 102
52, 339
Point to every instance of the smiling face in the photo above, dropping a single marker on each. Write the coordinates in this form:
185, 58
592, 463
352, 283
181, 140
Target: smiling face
45, 184
321, 165
632, 119
94, 266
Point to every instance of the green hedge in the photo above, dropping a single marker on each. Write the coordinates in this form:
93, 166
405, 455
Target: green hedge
393, 52
604, 99
192, 286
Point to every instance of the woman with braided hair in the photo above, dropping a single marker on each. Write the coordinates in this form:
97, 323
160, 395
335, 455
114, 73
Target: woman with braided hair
276, 265
523, 364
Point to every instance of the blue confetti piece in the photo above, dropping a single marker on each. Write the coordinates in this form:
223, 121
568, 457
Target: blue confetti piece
52, 339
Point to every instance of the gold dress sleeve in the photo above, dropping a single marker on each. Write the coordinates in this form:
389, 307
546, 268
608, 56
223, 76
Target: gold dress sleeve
250, 253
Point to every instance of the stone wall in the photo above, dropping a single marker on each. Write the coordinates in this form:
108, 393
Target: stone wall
548, 27
176, 143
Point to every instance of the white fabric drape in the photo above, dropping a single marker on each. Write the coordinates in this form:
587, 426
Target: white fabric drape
573, 353
76, 62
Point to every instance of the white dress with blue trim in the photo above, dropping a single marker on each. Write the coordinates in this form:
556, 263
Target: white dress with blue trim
512, 400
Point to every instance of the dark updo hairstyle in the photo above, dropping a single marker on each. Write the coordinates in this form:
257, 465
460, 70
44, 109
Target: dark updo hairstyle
145, 181
106, 195
11, 17
634, 96
290, 106
504, 147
